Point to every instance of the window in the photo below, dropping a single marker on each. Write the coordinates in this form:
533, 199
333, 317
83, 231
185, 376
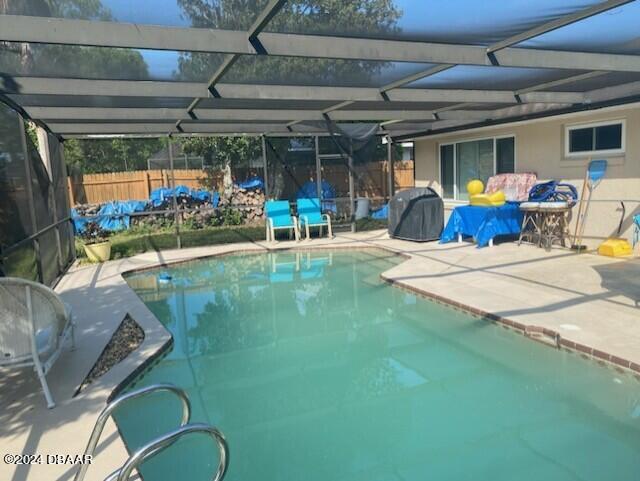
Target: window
597, 138
505, 155
407, 151
461, 162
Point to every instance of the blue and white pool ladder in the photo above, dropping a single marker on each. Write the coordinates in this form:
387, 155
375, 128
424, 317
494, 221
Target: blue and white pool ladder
159, 444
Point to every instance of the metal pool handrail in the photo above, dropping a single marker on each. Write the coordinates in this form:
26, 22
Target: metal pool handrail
119, 401
154, 447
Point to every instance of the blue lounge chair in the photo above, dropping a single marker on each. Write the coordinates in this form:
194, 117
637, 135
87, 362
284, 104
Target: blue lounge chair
310, 216
283, 271
314, 268
279, 216
636, 229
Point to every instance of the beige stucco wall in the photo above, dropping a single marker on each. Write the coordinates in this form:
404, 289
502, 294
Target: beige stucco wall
540, 149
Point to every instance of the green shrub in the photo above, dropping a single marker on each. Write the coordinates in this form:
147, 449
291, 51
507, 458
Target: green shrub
142, 228
94, 234
231, 217
369, 223
126, 244
191, 223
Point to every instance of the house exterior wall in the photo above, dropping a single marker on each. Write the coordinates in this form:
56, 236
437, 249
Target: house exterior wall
539, 147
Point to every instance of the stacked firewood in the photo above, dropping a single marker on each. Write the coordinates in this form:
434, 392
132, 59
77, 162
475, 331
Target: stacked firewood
251, 200
237, 206
204, 216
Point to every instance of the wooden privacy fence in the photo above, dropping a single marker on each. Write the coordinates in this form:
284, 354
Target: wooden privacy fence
404, 175
138, 185
372, 178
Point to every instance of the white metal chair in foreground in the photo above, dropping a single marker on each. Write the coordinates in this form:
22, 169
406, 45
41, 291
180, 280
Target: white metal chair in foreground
34, 324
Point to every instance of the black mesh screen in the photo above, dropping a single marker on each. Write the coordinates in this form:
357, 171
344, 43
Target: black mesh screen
22, 216
21, 262
15, 220
41, 188
61, 197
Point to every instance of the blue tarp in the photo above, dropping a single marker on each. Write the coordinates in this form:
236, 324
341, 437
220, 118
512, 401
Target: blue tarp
112, 216
251, 183
309, 190
115, 216
382, 213
483, 223
215, 199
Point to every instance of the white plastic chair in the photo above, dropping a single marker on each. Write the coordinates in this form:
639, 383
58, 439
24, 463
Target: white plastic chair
34, 325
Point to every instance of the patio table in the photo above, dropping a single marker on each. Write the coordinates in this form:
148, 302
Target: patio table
482, 223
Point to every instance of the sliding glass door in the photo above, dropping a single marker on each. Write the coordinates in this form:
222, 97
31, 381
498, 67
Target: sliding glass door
475, 161
461, 162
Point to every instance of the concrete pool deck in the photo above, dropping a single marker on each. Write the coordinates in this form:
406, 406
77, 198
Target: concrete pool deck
592, 303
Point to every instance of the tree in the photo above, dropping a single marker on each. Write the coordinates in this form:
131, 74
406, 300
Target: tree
377, 17
57, 60
318, 16
223, 152
91, 156
85, 9
17, 59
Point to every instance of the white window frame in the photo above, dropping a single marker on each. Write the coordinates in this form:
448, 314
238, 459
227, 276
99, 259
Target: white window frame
591, 125
455, 160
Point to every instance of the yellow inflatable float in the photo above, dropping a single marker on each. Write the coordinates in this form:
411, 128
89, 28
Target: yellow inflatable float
475, 188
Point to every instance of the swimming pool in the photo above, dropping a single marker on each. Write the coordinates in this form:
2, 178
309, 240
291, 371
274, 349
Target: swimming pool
315, 369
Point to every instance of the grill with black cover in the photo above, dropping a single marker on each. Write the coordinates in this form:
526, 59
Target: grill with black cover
416, 214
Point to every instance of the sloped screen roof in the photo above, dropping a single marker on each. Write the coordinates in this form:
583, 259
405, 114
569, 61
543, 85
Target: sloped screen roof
275, 67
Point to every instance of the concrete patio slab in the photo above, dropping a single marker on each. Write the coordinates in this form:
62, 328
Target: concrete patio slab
588, 300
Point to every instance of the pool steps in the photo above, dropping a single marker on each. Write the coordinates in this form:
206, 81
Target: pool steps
153, 447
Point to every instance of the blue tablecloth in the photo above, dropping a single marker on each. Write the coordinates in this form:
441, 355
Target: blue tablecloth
483, 223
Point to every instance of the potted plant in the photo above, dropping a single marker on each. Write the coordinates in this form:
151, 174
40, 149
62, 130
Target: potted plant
96, 243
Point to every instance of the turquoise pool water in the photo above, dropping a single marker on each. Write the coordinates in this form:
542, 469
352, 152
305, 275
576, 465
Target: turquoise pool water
317, 370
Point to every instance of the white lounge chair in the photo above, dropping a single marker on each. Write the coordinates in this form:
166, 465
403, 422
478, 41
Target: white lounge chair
34, 324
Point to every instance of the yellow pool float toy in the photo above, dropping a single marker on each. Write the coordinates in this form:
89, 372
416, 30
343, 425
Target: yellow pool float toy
476, 197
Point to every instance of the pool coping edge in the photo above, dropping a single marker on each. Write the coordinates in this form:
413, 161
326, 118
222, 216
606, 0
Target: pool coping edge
530, 331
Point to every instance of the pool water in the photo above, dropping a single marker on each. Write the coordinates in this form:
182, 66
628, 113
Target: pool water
315, 369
